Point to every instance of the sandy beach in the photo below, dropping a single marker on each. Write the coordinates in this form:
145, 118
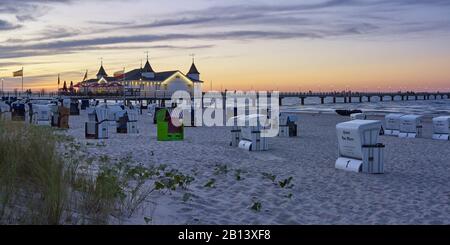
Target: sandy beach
244, 186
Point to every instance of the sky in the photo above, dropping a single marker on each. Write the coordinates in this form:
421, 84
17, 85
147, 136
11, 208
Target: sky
285, 45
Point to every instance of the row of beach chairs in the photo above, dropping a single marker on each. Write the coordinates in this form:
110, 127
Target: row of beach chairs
38, 112
411, 126
102, 117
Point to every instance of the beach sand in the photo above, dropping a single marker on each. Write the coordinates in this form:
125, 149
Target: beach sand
415, 188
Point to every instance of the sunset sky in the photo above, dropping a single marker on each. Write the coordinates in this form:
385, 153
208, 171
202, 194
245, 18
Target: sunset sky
282, 45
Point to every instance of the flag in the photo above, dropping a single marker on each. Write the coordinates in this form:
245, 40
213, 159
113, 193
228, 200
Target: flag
18, 73
85, 76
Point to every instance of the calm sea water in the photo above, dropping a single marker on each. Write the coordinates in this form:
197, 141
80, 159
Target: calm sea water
421, 107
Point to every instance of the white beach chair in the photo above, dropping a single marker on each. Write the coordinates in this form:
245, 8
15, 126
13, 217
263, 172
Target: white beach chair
441, 128
358, 146
251, 138
97, 127
132, 122
42, 115
358, 116
392, 123
410, 126
5, 112
289, 125
151, 110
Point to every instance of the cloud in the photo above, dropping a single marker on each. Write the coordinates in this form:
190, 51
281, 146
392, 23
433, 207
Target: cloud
111, 23
47, 34
311, 20
5, 26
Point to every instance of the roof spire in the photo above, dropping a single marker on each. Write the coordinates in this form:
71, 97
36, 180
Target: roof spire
101, 72
147, 68
193, 69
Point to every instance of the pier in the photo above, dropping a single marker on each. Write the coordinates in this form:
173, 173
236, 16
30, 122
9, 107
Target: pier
161, 97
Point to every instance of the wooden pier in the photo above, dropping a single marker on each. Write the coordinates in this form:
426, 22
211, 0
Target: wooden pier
161, 97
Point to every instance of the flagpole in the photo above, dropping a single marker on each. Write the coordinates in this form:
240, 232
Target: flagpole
22, 80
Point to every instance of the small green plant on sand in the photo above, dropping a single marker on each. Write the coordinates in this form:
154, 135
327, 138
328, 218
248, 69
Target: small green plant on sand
269, 176
148, 220
211, 183
220, 169
238, 174
256, 206
286, 183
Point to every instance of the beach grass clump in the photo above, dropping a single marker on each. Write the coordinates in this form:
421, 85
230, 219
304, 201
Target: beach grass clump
45, 179
119, 190
33, 189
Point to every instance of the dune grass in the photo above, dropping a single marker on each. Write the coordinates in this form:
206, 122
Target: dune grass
41, 185
32, 181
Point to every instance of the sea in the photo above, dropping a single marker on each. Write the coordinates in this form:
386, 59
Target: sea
433, 108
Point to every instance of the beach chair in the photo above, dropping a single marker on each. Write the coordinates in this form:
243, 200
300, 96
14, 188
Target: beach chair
75, 108
155, 115
132, 127
358, 147
19, 111
289, 125
122, 124
97, 127
5, 112
441, 128
84, 104
410, 126
151, 110
63, 117
358, 116
166, 130
392, 124
41, 115
251, 138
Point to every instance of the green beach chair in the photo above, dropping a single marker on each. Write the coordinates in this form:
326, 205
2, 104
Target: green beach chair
166, 130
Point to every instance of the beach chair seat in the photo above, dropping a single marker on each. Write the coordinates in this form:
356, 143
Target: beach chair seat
392, 124
249, 132
99, 127
132, 116
289, 125
166, 130
84, 104
75, 108
358, 147
5, 112
410, 126
42, 115
441, 128
19, 111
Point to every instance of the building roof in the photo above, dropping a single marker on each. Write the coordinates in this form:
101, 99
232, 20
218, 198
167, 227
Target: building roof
136, 74
147, 67
102, 72
193, 69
